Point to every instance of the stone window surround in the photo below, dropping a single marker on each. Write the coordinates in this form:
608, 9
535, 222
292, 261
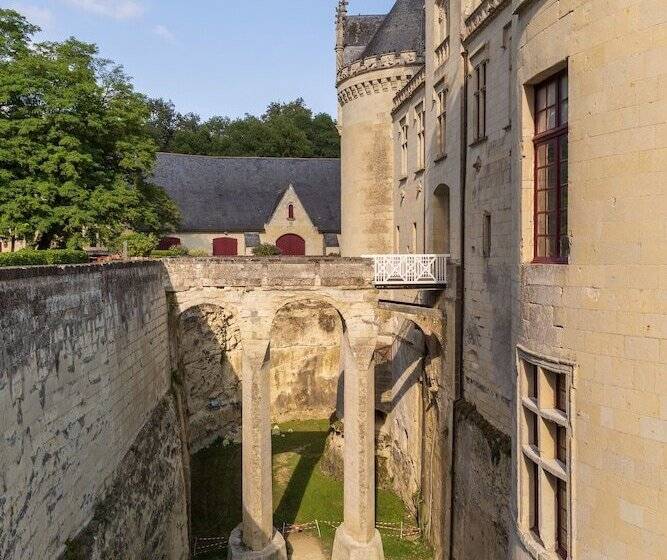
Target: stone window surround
420, 125
532, 545
441, 94
403, 136
478, 63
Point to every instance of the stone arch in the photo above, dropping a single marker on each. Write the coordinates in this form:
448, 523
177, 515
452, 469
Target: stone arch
305, 359
209, 354
441, 224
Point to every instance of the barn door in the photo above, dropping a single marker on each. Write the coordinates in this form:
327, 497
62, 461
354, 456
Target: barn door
225, 247
291, 244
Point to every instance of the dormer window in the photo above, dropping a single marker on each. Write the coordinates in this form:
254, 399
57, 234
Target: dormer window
290, 212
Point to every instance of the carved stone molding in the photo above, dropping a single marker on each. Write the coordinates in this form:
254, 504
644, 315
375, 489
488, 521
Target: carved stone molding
409, 88
371, 63
369, 87
481, 16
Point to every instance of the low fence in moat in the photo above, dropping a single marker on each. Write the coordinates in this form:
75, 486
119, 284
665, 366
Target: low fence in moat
205, 545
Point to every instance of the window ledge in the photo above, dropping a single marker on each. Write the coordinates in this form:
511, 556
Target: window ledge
419, 171
559, 262
440, 158
402, 178
478, 142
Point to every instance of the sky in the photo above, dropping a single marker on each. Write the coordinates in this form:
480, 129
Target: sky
210, 57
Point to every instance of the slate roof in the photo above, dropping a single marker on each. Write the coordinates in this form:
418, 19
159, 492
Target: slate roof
402, 29
218, 194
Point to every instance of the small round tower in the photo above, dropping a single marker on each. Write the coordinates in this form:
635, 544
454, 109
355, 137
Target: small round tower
376, 56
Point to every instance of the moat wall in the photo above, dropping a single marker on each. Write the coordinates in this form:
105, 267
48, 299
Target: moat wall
88, 425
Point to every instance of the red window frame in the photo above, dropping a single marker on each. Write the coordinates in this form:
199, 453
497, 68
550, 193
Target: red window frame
550, 239
290, 212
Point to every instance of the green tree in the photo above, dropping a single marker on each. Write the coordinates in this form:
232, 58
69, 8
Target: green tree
284, 130
74, 144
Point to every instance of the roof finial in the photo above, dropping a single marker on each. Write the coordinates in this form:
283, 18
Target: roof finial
341, 18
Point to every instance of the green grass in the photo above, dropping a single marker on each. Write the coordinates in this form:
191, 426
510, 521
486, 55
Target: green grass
302, 492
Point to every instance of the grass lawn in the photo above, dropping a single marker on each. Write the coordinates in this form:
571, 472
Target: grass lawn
301, 491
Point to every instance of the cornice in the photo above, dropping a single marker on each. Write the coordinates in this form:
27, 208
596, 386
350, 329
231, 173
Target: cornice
481, 16
372, 86
381, 62
408, 90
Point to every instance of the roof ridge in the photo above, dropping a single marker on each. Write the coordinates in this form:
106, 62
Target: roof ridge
250, 157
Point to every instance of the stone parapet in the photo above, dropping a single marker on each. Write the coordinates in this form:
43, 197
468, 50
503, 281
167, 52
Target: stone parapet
268, 273
371, 63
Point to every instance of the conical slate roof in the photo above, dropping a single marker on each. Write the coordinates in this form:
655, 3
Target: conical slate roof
401, 30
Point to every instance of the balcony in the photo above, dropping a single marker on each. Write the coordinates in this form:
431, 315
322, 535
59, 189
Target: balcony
409, 271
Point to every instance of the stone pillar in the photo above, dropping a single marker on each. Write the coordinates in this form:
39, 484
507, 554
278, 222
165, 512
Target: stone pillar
357, 538
256, 538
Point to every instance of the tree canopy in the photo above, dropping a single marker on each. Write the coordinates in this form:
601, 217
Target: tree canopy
284, 130
75, 147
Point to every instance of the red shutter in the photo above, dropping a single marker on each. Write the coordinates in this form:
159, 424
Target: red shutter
291, 244
225, 247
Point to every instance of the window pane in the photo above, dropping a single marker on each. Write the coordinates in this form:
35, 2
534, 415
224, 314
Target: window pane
551, 152
541, 98
541, 224
561, 525
551, 93
541, 246
541, 155
542, 201
552, 177
561, 449
552, 220
564, 110
551, 117
564, 246
542, 178
563, 149
541, 121
564, 87
551, 247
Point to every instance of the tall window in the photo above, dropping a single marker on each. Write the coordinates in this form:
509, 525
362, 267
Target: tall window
414, 237
479, 122
420, 118
441, 106
404, 147
551, 146
544, 441
290, 212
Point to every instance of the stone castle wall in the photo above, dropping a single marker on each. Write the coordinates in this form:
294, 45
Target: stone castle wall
83, 368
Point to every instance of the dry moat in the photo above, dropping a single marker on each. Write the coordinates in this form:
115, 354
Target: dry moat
304, 490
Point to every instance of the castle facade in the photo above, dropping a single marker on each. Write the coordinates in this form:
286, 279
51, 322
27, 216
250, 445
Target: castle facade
527, 139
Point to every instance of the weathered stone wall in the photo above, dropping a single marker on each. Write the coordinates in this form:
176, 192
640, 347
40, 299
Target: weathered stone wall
83, 365
482, 484
305, 361
144, 513
209, 374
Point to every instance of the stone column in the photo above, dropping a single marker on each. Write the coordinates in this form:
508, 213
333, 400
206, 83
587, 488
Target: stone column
256, 537
357, 538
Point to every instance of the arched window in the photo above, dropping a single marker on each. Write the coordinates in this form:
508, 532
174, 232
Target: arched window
290, 212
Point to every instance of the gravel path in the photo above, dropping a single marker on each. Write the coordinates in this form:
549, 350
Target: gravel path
305, 547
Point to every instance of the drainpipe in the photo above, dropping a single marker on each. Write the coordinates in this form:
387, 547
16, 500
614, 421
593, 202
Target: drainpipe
460, 326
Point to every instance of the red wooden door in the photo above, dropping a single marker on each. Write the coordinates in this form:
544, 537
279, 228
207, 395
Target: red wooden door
225, 247
291, 244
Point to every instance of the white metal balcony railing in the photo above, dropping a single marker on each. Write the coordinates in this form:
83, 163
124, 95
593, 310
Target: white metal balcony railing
409, 270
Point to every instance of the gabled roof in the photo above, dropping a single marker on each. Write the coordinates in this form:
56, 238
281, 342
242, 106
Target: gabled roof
239, 194
401, 30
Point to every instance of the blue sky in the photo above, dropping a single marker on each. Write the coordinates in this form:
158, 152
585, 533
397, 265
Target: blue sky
212, 57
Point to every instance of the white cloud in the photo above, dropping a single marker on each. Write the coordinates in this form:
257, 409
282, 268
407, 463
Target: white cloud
116, 9
35, 14
164, 33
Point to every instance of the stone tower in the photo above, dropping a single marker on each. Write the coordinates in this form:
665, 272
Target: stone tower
376, 56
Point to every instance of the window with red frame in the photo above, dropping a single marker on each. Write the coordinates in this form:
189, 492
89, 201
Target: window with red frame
290, 212
551, 178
